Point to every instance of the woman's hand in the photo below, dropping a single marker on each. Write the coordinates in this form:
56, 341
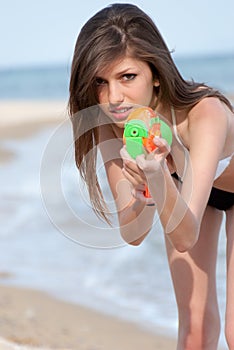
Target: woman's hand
156, 160
135, 176
137, 171
131, 170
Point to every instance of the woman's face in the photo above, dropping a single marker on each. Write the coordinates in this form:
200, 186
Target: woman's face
123, 85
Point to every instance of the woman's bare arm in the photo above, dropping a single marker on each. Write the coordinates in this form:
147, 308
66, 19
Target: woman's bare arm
181, 212
135, 217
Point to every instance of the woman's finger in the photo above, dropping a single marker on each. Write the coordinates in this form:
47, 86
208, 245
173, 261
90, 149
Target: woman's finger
125, 155
140, 196
133, 169
149, 165
162, 145
135, 181
141, 161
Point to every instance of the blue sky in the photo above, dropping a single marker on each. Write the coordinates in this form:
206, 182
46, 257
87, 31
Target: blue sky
45, 31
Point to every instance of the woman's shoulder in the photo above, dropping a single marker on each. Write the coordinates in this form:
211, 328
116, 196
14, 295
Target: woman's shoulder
209, 112
208, 106
211, 122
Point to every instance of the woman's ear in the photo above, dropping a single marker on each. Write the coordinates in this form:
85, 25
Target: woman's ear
156, 83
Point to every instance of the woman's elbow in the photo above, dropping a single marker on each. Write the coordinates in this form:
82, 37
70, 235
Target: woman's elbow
183, 247
138, 241
133, 240
184, 242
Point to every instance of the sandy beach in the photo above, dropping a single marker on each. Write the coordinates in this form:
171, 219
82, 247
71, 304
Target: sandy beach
31, 319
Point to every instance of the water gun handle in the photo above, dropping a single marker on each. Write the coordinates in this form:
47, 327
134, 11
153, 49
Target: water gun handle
147, 192
136, 141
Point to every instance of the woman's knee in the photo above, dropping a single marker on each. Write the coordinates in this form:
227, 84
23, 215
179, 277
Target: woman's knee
200, 332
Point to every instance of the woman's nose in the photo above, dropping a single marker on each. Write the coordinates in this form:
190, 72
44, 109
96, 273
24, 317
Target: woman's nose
115, 93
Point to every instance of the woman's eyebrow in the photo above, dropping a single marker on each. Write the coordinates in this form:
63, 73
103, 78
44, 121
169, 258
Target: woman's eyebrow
121, 72
127, 69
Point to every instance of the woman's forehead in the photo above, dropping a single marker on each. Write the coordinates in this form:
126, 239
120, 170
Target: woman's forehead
120, 64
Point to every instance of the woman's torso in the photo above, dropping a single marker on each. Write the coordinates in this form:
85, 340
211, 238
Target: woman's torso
181, 144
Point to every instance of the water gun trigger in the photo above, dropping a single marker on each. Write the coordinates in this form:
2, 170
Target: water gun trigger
155, 131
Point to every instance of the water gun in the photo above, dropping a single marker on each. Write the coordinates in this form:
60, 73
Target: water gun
142, 125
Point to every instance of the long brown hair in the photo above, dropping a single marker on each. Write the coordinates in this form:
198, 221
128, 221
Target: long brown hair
113, 32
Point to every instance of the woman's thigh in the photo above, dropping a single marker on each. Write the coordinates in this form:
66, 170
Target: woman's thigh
230, 271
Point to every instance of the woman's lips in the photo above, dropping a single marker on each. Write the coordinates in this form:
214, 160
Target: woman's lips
120, 113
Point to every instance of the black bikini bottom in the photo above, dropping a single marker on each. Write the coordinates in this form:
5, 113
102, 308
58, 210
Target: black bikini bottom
218, 199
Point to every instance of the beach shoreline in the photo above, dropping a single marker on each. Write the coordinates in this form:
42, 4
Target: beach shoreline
20, 119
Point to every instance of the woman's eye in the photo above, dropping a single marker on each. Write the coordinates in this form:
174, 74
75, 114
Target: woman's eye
128, 77
100, 81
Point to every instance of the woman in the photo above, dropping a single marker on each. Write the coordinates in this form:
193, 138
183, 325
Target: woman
121, 61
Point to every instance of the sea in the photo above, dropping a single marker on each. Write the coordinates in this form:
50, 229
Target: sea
51, 240
51, 81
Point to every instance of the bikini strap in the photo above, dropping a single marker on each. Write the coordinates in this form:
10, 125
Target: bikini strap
186, 152
173, 117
